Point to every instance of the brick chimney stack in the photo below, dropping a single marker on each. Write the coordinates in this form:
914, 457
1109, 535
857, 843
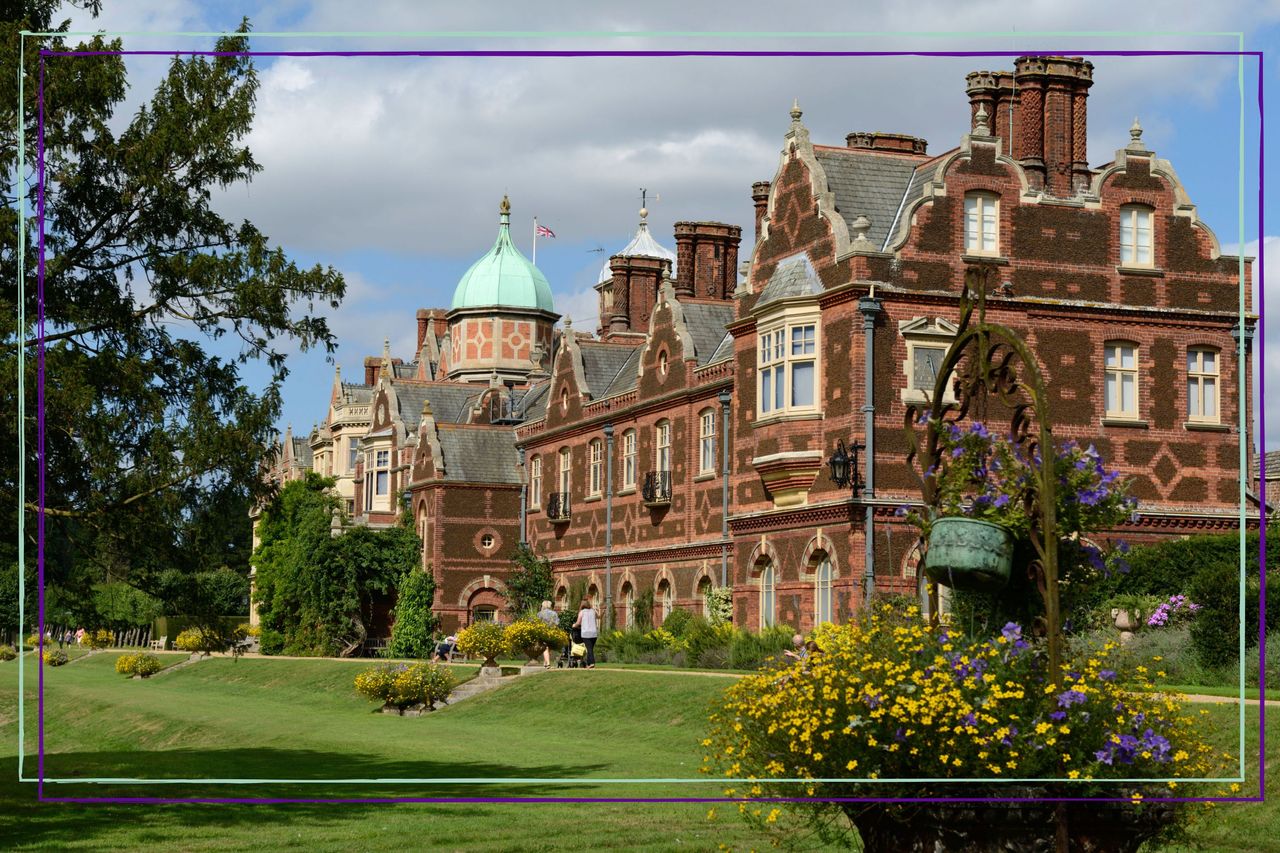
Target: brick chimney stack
760, 198
1043, 104
707, 258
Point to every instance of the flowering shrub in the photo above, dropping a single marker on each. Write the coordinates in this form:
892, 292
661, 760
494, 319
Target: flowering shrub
99, 639
1177, 608
244, 629
142, 664
7, 653
533, 635
482, 640
204, 640
720, 604
55, 657
898, 698
402, 685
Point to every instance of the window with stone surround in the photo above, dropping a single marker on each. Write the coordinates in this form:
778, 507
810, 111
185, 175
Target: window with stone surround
595, 467
1136, 244
628, 606
707, 441
629, 459
535, 482
1121, 381
662, 446
353, 449
788, 366
981, 224
665, 599
1202, 385
768, 597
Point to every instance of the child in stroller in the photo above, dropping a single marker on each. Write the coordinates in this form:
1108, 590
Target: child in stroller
573, 654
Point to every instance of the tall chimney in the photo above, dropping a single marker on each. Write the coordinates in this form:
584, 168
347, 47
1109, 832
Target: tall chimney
760, 198
1052, 121
707, 259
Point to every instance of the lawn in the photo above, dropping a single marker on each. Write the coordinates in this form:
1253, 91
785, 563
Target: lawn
300, 719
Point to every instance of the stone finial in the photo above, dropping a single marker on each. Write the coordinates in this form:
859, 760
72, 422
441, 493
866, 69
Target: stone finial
1135, 136
426, 408
980, 127
861, 227
796, 112
505, 207
568, 323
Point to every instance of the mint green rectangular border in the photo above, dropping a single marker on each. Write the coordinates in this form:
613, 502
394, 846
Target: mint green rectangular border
22, 219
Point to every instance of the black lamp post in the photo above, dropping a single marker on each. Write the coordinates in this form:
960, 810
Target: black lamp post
844, 464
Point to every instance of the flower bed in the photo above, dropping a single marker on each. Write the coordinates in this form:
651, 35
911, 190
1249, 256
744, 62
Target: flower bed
532, 636
401, 686
143, 665
898, 698
484, 640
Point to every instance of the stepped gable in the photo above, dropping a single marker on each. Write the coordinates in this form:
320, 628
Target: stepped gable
867, 183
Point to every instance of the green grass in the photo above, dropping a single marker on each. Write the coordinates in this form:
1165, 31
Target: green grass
301, 719
1214, 690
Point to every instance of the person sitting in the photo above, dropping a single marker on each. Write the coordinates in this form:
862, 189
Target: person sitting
801, 651
445, 648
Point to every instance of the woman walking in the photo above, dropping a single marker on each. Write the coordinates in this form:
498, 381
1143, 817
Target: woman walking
589, 624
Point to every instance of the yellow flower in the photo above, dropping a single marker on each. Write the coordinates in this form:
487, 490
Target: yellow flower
851, 765
711, 813
1073, 774
773, 816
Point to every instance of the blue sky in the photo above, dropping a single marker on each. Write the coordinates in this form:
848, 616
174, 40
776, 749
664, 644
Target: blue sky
391, 170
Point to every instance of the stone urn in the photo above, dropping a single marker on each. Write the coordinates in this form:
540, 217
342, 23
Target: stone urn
490, 670
968, 553
1125, 620
1008, 827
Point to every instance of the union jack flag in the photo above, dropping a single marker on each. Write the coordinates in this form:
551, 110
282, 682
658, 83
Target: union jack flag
544, 231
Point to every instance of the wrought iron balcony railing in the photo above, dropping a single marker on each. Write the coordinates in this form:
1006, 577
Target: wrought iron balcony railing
558, 506
656, 490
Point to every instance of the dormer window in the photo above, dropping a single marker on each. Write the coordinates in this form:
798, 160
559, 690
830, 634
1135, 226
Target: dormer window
981, 224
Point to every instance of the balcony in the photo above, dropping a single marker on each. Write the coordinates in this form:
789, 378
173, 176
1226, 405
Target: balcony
656, 490
558, 507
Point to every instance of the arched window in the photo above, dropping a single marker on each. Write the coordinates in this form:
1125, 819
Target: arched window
822, 591
595, 467
1202, 385
1121, 381
704, 588
665, 599
662, 449
628, 606
707, 441
981, 224
629, 459
1136, 244
767, 597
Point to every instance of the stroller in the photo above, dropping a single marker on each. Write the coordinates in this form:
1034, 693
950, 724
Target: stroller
573, 654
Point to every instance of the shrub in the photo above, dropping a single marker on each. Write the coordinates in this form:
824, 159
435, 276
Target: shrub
482, 640
701, 637
55, 657
7, 653
525, 635
414, 621
677, 621
642, 609
751, 651
247, 630
270, 642
1215, 631
99, 639
403, 685
142, 664
720, 604
202, 639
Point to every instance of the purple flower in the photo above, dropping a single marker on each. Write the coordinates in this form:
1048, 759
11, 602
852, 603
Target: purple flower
1059, 716
1011, 631
1107, 675
957, 453
1071, 697
1001, 500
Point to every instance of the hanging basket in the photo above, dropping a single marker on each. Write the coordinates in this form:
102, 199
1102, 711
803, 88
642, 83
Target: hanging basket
966, 553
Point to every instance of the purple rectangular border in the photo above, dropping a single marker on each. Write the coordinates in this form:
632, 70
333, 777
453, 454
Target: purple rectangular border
40, 428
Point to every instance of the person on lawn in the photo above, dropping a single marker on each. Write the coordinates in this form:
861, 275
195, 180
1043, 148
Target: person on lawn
589, 622
551, 619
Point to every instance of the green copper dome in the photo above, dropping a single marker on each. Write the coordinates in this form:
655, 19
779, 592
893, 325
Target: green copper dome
503, 276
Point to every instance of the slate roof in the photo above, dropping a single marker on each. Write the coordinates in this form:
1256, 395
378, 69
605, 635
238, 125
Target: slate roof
724, 350
793, 276
406, 371
866, 184
449, 402
358, 393
533, 404
601, 363
301, 452
628, 375
915, 188
706, 326
1273, 466
479, 454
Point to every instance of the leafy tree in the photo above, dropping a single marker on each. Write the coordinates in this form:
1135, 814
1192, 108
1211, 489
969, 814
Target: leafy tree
154, 446
415, 623
317, 590
529, 583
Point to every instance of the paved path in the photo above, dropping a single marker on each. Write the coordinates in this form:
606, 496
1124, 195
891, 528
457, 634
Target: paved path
1219, 700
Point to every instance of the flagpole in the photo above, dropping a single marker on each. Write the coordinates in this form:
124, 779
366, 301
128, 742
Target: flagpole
535, 241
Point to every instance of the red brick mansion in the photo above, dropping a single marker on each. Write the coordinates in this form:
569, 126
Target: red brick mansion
683, 443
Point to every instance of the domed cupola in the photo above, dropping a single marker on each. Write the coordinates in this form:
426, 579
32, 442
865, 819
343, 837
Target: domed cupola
503, 276
642, 245
502, 314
